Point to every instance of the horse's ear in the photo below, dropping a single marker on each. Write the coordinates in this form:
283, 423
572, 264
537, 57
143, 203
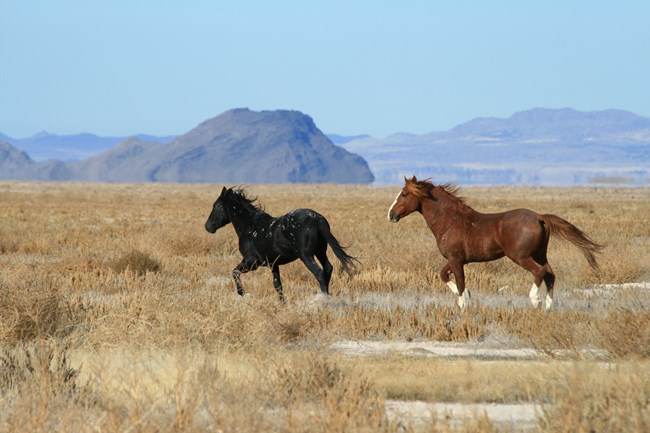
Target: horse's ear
411, 180
223, 191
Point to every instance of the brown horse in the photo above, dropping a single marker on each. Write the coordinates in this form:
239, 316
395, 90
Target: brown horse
464, 235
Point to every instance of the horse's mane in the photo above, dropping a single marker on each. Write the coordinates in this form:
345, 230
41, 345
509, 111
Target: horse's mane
241, 196
425, 189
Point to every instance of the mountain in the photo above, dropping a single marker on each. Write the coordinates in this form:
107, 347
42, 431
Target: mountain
44, 146
129, 161
238, 146
538, 146
259, 147
14, 163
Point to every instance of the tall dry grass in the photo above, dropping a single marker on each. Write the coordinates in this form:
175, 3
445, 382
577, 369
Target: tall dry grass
118, 312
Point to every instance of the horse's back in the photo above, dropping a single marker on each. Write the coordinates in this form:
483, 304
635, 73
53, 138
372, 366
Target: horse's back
299, 219
518, 219
292, 228
306, 214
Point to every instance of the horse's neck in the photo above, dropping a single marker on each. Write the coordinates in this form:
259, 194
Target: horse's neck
243, 217
443, 214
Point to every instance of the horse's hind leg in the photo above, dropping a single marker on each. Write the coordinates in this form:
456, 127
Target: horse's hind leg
548, 276
549, 280
539, 272
327, 267
318, 273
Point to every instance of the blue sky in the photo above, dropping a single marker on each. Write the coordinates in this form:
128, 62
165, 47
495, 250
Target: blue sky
161, 67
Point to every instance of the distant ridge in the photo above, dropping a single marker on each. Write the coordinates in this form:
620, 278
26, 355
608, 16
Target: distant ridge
238, 146
43, 145
540, 146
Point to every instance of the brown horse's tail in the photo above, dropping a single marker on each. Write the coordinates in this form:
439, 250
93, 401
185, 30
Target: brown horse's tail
567, 231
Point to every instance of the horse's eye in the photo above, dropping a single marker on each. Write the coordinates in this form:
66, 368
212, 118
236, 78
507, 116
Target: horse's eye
405, 194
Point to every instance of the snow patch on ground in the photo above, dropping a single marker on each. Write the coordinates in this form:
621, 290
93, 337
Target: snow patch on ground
518, 417
431, 348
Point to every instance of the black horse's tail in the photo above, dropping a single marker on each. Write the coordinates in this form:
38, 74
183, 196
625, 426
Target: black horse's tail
348, 262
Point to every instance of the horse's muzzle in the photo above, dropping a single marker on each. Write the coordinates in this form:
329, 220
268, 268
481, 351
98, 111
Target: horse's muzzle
210, 227
393, 217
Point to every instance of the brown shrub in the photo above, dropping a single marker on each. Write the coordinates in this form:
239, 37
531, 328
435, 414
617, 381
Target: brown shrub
28, 314
42, 365
137, 262
600, 400
625, 333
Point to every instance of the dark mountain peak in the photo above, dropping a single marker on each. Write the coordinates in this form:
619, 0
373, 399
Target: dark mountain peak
237, 146
245, 116
242, 145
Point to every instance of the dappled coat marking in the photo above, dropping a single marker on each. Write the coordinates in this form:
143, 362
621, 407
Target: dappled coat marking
267, 241
464, 235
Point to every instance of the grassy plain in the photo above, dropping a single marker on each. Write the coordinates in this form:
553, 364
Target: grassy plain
118, 313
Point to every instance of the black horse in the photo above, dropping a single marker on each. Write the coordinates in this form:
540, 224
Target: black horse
268, 241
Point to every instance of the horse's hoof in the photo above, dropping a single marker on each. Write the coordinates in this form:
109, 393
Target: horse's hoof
549, 302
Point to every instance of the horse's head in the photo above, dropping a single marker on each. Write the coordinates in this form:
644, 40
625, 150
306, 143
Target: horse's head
406, 202
218, 217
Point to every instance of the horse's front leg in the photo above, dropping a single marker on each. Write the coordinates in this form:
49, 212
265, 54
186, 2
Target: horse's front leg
456, 268
277, 283
243, 267
445, 277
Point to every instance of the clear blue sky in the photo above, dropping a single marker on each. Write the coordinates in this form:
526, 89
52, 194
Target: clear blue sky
123, 67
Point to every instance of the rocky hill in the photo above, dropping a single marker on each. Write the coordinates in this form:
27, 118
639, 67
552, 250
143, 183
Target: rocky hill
238, 146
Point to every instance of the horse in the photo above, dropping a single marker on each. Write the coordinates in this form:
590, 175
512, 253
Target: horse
464, 235
271, 242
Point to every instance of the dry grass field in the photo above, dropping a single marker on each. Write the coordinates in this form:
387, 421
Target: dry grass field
118, 313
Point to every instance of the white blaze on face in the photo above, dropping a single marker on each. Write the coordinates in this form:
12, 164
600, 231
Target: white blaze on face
393, 205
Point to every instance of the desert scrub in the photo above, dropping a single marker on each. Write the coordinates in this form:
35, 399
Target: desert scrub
126, 278
137, 262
